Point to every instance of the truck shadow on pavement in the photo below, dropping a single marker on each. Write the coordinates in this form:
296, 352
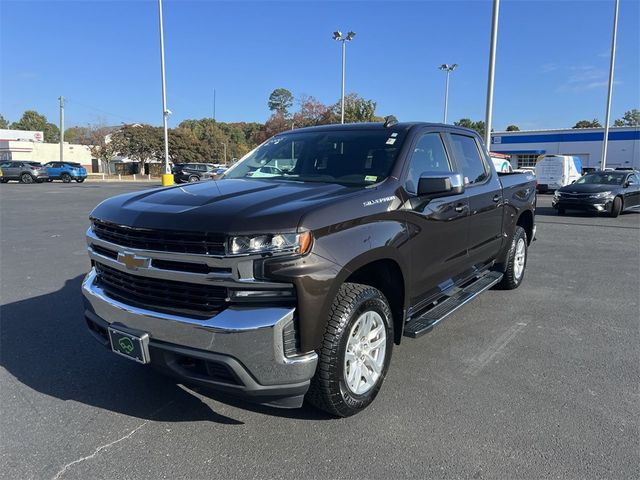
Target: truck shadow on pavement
45, 345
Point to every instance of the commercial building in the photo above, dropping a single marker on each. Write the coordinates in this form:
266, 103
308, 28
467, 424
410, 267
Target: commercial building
29, 145
586, 143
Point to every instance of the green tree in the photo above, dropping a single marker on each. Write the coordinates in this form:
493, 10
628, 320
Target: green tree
32, 120
478, 126
588, 124
513, 128
280, 101
631, 118
3, 122
357, 109
140, 143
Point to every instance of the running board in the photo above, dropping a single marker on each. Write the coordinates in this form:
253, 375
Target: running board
423, 324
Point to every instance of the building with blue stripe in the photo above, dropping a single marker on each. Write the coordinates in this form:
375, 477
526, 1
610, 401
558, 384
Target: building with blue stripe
586, 143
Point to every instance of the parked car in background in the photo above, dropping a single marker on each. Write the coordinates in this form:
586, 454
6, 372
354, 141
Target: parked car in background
555, 171
501, 162
23, 172
611, 191
193, 172
66, 171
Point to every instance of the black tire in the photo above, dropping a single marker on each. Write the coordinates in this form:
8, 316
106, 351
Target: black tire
26, 178
561, 211
49, 179
616, 207
66, 178
39, 180
3, 180
513, 274
329, 390
79, 180
194, 178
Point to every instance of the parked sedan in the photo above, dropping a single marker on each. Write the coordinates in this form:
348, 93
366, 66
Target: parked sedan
193, 172
24, 172
66, 171
603, 191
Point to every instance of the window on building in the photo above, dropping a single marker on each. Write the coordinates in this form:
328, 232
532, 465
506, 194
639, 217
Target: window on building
527, 160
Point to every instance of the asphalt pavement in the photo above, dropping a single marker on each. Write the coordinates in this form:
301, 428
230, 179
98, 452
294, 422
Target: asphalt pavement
540, 382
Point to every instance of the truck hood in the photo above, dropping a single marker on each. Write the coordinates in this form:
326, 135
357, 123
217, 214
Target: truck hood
226, 206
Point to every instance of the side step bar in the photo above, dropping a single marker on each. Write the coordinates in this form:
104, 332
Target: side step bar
423, 324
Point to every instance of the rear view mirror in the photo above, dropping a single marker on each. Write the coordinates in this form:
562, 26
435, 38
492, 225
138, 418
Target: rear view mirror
440, 184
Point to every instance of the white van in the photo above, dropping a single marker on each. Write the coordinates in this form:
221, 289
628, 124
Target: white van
555, 171
501, 162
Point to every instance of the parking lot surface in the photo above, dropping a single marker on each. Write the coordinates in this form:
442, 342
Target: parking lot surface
540, 382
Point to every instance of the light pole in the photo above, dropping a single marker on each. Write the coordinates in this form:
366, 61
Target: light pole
337, 35
447, 69
605, 143
492, 71
167, 178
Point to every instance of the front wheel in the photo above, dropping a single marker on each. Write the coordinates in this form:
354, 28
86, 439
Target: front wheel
194, 178
516, 261
26, 178
66, 178
355, 351
616, 207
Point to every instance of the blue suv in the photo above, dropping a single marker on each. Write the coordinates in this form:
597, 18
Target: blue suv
66, 171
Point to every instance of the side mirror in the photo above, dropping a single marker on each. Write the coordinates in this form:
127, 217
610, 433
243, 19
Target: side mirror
627, 183
440, 184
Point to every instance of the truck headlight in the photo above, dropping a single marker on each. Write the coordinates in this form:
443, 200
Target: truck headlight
270, 243
601, 195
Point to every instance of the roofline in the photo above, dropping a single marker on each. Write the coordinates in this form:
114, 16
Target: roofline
556, 130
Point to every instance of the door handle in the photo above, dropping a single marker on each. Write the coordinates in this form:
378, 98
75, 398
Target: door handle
459, 208
496, 198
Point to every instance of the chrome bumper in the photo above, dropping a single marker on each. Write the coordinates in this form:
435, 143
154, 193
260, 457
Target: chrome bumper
253, 336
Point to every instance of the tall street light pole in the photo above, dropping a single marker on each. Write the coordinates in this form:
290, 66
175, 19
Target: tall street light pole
167, 178
605, 142
337, 35
492, 70
61, 128
447, 69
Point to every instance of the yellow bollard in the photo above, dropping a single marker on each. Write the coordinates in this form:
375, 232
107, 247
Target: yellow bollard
167, 179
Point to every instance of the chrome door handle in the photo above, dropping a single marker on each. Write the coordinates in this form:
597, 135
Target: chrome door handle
496, 198
460, 208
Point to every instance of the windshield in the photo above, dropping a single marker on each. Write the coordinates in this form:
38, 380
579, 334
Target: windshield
602, 178
349, 157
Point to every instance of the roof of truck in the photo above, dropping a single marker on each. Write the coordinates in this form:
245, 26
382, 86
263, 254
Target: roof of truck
374, 126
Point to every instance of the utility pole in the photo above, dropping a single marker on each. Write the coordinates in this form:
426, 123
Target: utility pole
492, 71
337, 35
214, 104
61, 98
605, 142
167, 178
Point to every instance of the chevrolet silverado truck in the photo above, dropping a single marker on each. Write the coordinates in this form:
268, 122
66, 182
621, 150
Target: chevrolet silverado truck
299, 282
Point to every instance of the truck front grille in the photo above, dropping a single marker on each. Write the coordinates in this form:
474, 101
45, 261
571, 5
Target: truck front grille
168, 296
161, 240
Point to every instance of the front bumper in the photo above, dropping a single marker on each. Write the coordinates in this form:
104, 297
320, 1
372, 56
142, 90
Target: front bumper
585, 204
240, 351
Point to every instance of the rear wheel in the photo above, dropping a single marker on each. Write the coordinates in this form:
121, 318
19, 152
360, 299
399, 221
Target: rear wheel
49, 179
79, 180
616, 207
355, 351
66, 178
26, 178
194, 178
516, 261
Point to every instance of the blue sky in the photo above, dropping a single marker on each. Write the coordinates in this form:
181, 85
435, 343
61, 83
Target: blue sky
103, 56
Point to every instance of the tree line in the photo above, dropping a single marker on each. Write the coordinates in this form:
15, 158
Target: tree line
206, 140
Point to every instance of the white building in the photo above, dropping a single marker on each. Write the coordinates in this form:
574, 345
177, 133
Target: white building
30, 146
586, 143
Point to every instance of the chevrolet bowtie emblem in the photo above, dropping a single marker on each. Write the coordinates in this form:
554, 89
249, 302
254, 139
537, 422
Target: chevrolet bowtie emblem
132, 261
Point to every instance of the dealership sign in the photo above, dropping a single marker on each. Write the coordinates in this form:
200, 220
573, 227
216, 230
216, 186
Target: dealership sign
21, 135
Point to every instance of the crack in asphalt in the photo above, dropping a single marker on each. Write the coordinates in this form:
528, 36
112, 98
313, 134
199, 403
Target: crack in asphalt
66, 467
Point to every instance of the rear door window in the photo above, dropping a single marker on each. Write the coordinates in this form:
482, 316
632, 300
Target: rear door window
474, 168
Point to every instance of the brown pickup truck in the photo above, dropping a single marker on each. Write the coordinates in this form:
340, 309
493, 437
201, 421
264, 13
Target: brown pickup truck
296, 273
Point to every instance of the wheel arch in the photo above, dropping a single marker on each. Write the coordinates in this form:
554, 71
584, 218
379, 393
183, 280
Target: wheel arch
525, 220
